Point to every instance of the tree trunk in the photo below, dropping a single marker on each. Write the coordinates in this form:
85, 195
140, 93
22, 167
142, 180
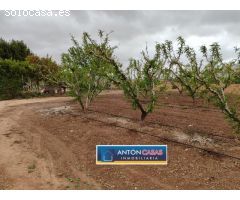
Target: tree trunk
143, 116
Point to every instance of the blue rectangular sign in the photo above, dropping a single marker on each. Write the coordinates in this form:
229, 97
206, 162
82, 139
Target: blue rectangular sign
131, 154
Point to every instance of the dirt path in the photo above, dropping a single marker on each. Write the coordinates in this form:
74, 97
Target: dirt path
20, 167
47, 143
26, 151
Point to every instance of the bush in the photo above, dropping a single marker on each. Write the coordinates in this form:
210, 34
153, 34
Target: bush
13, 75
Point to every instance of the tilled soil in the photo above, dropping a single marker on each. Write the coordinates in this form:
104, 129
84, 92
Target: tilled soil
49, 143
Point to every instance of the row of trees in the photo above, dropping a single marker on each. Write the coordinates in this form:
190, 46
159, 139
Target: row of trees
90, 67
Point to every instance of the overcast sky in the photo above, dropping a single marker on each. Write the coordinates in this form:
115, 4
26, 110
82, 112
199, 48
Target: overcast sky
132, 30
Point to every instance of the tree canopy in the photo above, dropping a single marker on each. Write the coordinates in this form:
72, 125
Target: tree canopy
14, 49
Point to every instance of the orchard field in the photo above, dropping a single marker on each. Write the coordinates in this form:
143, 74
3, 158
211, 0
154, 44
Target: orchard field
49, 143
175, 95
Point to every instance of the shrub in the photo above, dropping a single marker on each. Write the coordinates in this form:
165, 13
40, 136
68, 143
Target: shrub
13, 75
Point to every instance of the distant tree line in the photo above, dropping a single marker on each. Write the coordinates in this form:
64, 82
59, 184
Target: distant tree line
23, 74
14, 49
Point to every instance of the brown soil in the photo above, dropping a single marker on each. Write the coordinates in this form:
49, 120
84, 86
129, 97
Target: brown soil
49, 143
